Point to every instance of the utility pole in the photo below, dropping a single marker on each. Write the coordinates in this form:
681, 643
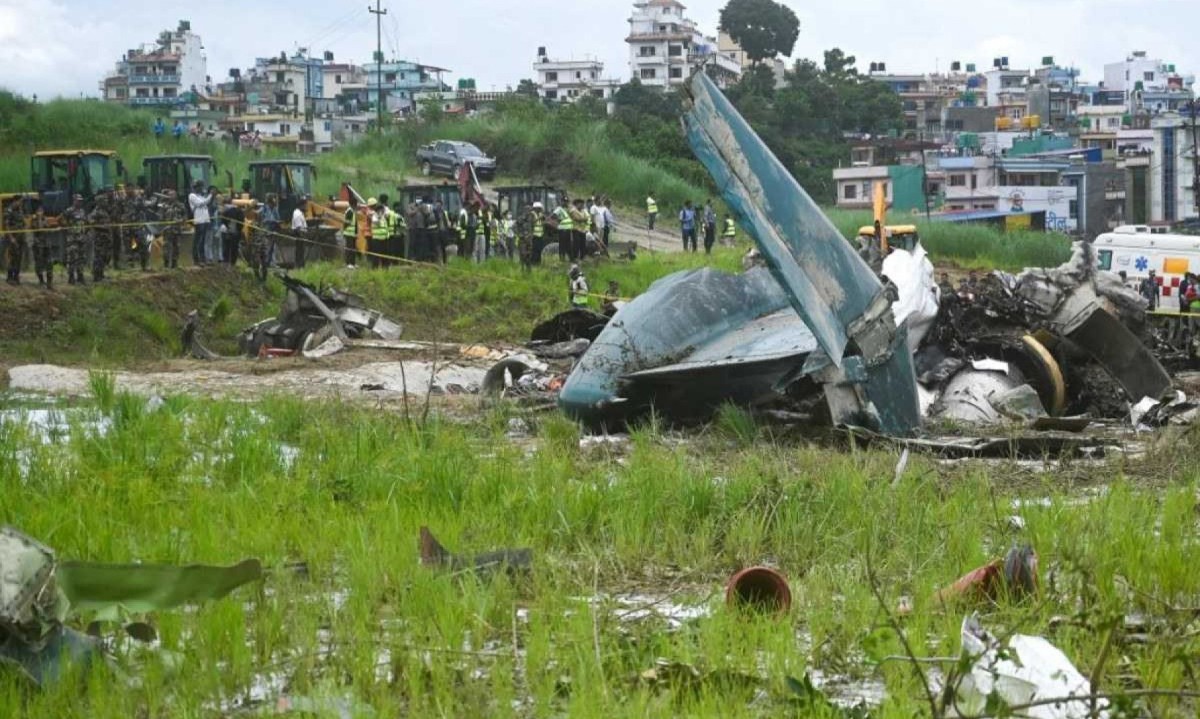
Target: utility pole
378, 12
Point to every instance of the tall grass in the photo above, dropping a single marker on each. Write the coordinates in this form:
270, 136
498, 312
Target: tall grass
658, 521
972, 245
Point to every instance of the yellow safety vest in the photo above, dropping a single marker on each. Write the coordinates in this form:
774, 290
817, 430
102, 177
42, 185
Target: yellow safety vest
350, 226
539, 227
651, 206
564, 219
463, 219
380, 230
730, 227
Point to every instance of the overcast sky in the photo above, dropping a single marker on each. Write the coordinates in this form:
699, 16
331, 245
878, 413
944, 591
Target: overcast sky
65, 47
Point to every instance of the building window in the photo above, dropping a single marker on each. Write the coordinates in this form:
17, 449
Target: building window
337, 79
647, 51
552, 94
958, 180
648, 73
552, 77
578, 75
279, 76
1073, 209
389, 77
593, 74
676, 72
850, 192
1149, 77
598, 93
974, 181
675, 50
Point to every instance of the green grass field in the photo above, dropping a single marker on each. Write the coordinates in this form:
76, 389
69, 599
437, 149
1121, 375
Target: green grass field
622, 535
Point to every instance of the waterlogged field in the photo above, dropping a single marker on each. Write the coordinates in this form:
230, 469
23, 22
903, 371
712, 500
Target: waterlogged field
633, 539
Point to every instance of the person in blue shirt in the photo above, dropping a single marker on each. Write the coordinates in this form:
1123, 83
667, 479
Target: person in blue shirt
160, 128
687, 223
178, 130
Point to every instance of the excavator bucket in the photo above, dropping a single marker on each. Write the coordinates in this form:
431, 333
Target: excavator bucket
863, 362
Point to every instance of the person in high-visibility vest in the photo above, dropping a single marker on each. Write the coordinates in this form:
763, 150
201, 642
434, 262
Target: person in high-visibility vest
535, 239
651, 210
380, 232
578, 287
729, 236
396, 226
349, 232
566, 228
363, 228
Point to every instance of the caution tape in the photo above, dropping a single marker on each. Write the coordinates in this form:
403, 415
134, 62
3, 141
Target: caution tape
404, 260
96, 226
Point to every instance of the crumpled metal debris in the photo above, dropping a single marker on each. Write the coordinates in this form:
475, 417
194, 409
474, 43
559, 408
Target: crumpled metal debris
311, 322
512, 561
38, 593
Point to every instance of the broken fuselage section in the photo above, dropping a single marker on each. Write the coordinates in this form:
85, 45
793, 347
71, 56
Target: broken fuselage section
818, 323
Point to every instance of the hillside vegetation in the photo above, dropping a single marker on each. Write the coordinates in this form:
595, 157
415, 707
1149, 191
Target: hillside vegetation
637, 150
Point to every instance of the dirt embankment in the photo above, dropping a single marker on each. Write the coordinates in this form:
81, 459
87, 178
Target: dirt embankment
133, 317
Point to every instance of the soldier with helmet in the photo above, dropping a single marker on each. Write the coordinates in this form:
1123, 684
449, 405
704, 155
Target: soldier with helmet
14, 239
173, 215
79, 237
43, 263
101, 219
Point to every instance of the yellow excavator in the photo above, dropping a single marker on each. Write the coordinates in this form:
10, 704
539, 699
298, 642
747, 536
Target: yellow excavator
883, 236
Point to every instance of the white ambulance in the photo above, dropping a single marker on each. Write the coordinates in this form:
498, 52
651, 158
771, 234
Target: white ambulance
1137, 249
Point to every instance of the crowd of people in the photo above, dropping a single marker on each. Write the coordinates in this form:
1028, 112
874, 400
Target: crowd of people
694, 220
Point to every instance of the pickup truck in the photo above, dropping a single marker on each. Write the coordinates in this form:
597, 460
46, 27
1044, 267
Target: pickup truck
446, 156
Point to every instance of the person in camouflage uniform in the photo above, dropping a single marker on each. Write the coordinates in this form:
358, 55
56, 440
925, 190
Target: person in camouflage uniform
174, 215
100, 218
118, 210
79, 236
42, 240
138, 213
15, 240
265, 227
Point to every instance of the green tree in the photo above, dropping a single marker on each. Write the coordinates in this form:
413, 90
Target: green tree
763, 28
527, 88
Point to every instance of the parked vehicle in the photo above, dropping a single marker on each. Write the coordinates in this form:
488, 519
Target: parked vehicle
444, 157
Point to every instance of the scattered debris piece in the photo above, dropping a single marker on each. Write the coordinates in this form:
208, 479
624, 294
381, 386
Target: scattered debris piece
576, 323
1024, 670
1015, 576
512, 561
760, 589
38, 594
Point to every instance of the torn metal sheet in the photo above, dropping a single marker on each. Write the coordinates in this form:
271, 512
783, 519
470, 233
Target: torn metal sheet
828, 284
840, 299
513, 561
700, 324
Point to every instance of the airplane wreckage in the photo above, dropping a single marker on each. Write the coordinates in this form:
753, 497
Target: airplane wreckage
883, 349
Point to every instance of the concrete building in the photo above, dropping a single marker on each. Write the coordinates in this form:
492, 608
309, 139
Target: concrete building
401, 81
1172, 169
900, 164
665, 46
1007, 88
1145, 83
569, 80
161, 73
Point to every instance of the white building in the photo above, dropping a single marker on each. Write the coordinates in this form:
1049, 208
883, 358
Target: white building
569, 80
1171, 169
1147, 84
1007, 88
160, 73
665, 46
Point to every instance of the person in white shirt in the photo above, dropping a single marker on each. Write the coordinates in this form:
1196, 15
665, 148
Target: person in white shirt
202, 220
300, 230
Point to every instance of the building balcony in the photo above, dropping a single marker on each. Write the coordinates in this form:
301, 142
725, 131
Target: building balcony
149, 101
650, 59
153, 79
